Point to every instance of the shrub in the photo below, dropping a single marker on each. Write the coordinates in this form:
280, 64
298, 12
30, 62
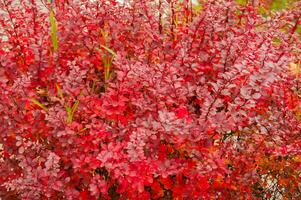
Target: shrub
149, 100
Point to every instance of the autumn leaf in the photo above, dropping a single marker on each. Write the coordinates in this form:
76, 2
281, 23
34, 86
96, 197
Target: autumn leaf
294, 69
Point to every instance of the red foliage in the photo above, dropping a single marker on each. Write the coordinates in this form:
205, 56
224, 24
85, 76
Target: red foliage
194, 105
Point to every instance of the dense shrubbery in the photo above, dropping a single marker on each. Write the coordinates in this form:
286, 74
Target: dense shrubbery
149, 100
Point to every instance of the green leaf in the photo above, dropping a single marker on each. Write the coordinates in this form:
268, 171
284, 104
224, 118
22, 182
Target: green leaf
279, 4
298, 29
53, 33
242, 2
33, 100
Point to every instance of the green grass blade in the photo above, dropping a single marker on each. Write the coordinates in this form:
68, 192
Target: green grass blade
36, 102
109, 50
69, 115
53, 25
74, 107
59, 91
71, 111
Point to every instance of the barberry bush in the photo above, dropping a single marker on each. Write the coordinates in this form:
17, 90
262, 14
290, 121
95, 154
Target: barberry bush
149, 99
